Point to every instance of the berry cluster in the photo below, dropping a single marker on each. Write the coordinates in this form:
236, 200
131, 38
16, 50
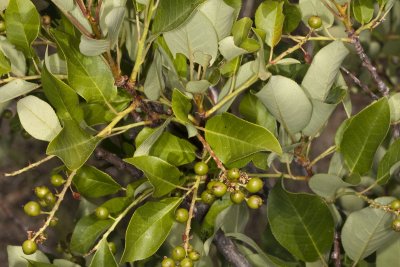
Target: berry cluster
395, 206
179, 257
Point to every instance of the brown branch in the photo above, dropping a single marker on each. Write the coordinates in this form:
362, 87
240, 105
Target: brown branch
366, 62
211, 152
229, 250
359, 83
336, 250
116, 161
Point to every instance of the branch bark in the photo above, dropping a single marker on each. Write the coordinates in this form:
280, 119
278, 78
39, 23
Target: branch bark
229, 250
117, 162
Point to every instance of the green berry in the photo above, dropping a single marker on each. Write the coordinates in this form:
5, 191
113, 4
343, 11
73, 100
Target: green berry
233, 174
113, 247
178, 253
7, 114
29, 247
254, 185
50, 199
396, 225
41, 191
254, 202
210, 184
102, 213
57, 180
219, 189
395, 205
181, 215
32, 208
237, 197
315, 22
201, 168
207, 197
53, 222
194, 256
168, 262
186, 262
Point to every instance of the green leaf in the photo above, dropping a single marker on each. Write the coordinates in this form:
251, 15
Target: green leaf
55, 64
241, 30
163, 176
16, 88
73, 145
181, 106
86, 232
292, 17
389, 160
17, 258
172, 13
189, 38
324, 69
287, 102
253, 110
154, 84
310, 8
363, 10
5, 65
103, 256
301, 223
198, 87
221, 16
367, 230
364, 134
93, 47
389, 254
270, 18
143, 148
320, 115
170, 148
38, 118
64, 263
210, 223
148, 229
32, 263
232, 138
23, 23
62, 97
91, 182
16, 57
326, 185
90, 77
229, 50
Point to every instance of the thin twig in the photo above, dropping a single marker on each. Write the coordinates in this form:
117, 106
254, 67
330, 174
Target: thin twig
186, 236
116, 161
366, 62
30, 166
359, 83
211, 152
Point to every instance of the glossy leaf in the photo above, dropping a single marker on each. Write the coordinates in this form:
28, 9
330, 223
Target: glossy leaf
189, 38
172, 13
181, 106
221, 16
270, 18
38, 118
210, 224
86, 232
241, 29
61, 96
363, 10
17, 258
389, 160
232, 138
367, 230
388, 255
73, 145
163, 176
292, 17
143, 148
91, 182
148, 228
301, 223
323, 70
364, 134
170, 148
16, 57
103, 256
287, 102
16, 88
91, 77
22, 25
